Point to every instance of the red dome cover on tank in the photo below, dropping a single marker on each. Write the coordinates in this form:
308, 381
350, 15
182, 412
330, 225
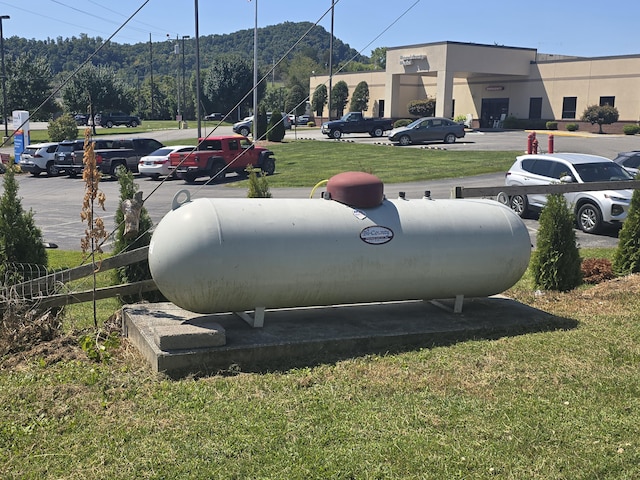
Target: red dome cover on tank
356, 189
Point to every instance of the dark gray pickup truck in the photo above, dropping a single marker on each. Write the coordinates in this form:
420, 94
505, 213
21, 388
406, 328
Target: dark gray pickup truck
110, 155
355, 122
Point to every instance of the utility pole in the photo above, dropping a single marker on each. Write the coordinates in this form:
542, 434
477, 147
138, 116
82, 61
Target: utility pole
151, 68
4, 81
331, 58
184, 95
198, 116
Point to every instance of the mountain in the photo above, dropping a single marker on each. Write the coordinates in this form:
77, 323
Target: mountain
274, 43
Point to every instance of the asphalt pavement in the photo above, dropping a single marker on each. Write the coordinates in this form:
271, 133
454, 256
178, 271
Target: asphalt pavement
56, 201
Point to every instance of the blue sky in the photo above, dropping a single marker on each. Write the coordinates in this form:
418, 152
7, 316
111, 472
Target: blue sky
584, 28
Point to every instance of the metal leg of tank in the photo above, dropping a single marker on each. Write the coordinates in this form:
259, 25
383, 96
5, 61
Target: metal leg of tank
457, 304
257, 321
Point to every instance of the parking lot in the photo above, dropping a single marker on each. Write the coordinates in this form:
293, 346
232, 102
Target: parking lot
56, 201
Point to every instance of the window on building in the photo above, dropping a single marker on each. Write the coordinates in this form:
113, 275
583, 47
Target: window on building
607, 101
569, 107
381, 108
535, 108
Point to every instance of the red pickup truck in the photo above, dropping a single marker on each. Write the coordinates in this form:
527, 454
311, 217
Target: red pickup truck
217, 156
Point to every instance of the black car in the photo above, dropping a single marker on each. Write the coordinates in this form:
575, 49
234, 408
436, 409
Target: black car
629, 160
214, 117
81, 119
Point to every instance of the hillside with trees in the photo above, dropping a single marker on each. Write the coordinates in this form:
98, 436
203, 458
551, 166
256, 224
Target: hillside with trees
152, 73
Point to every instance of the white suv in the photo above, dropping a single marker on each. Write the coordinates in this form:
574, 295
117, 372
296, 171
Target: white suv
38, 158
592, 208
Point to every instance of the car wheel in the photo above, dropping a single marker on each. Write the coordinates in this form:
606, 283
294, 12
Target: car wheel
133, 124
244, 131
72, 173
217, 173
189, 177
377, 132
36, 172
404, 140
117, 169
269, 166
589, 218
520, 205
450, 138
337, 134
109, 124
52, 170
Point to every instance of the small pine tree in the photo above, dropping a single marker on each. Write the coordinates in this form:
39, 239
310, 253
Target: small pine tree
20, 239
260, 126
627, 256
258, 186
140, 270
275, 129
556, 261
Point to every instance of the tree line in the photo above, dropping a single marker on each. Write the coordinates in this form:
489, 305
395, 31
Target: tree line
157, 80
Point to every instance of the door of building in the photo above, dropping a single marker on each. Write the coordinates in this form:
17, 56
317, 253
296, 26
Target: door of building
493, 110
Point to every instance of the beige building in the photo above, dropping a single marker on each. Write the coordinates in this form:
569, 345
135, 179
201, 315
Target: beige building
489, 82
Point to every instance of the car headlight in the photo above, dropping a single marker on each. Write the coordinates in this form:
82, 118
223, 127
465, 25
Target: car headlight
615, 198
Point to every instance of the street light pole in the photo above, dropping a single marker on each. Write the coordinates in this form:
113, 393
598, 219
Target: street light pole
255, 74
4, 80
198, 116
184, 97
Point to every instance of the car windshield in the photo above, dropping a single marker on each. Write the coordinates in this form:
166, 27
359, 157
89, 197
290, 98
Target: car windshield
602, 172
415, 123
162, 152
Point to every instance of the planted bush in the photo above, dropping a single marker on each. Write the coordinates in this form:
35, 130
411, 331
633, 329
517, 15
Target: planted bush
572, 127
631, 129
556, 261
551, 125
403, 122
627, 257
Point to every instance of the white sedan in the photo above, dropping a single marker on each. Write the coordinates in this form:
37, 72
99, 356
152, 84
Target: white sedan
157, 163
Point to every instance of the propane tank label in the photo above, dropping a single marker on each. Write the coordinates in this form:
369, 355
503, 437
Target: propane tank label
376, 235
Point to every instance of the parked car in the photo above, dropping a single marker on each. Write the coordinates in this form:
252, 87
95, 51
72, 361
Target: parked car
38, 158
68, 156
629, 160
108, 120
244, 127
81, 119
428, 129
214, 117
593, 209
157, 163
302, 119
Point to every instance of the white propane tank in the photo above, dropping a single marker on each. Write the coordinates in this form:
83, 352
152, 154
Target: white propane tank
214, 255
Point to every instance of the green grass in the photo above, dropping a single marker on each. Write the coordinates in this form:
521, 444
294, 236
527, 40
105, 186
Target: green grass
561, 404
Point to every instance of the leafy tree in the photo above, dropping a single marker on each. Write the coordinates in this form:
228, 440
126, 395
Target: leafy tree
300, 69
62, 128
20, 239
274, 98
627, 256
600, 114
556, 261
379, 57
319, 99
339, 97
96, 89
137, 271
296, 101
275, 129
29, 85
422, 108
360, 98
227, 82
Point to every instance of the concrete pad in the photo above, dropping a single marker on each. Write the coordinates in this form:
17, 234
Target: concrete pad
303, 336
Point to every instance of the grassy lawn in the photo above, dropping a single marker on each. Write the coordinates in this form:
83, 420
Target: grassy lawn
562, 404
